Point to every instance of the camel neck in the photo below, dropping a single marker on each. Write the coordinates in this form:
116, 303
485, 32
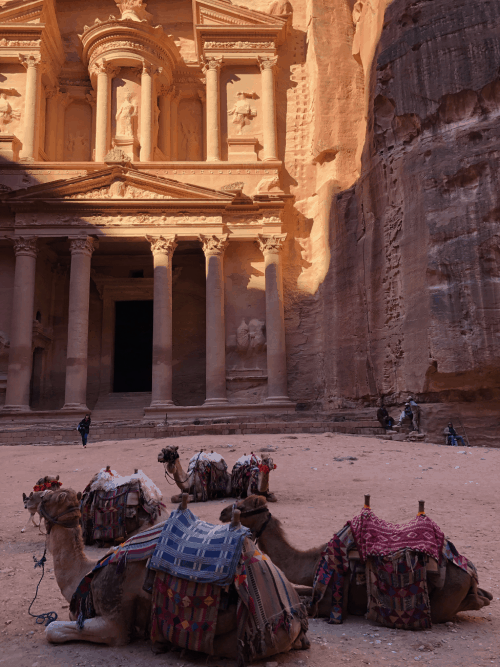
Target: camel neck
299, 566
70, 562
180, 476
263, 486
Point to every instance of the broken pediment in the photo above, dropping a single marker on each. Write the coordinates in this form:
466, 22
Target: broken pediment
117, 183
20, 11
221, 13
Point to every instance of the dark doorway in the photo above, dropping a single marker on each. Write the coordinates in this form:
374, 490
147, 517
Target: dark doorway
133, 346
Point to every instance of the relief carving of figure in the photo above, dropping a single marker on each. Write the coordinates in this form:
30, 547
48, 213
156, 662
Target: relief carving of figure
251, 337
7, 113
242, 337
125, 118
77, 146
191, 139
242, 112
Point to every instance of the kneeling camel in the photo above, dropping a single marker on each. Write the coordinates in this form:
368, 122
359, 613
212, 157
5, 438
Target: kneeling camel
122, 607
459, 592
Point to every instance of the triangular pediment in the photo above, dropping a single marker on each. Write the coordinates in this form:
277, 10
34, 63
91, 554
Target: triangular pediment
117, 184
223, 13
21, 11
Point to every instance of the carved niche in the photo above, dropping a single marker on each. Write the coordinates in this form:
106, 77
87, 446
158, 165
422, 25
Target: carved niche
190, 141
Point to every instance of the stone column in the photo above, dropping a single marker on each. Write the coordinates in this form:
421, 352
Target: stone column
267, 67
213, 247
212, 70
271, 247
164, 131
21, 329
146, 154
105, 73
78, 323
91, 99
162, 249
33, 66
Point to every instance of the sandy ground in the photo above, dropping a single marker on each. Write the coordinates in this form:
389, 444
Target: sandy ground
316, 495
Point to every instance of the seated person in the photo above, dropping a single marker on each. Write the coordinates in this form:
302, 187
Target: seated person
406, 414
452, 436
385, 420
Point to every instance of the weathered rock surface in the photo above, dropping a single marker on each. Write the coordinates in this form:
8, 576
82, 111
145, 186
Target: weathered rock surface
411, 300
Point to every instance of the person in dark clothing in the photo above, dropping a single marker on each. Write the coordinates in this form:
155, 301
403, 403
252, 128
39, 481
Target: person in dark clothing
452, 436
385, 420
83, 428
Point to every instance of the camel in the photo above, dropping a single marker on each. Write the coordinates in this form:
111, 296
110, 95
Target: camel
192, 482
458, 593
32, 503
122, 606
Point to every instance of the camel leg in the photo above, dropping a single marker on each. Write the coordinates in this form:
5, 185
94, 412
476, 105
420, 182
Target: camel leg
23, 530
178, 498
99, 630
475, 599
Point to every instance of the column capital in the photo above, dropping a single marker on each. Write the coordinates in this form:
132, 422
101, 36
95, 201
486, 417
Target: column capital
26, 246
166, 91
212, 64
31, 61
268, 63
84, 245
214, 245
148, 68
163, 245
271, 244
104, 67
91, 98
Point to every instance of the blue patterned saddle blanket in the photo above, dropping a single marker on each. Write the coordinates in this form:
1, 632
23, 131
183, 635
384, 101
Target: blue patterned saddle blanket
198, 551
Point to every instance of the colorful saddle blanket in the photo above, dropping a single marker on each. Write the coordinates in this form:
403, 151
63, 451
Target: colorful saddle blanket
198, 551
396, 568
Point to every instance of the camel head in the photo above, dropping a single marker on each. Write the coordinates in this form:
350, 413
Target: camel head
61, 507
168, 456
254, 512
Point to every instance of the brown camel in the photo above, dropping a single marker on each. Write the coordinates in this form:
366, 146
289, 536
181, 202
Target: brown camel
32, 503
459, 592
190, 482
122, 607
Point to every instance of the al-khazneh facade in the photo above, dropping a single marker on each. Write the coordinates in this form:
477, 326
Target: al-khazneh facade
142, 217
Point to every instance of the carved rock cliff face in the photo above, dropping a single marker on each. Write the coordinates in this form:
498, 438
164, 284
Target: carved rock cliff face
412, 295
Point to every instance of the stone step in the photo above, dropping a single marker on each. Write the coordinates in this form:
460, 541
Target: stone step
123, 405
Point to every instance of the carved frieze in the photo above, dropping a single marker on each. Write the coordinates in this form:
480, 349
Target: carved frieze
259, 46
119, 190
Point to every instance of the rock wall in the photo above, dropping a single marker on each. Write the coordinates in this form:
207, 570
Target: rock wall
411, 299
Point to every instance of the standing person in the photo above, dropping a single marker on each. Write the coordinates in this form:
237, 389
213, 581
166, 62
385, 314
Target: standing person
83, 428
452, 436
415, 408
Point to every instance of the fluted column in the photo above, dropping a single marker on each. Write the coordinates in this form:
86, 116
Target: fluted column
105, 73
78, 323
267, 68
214, 247
163, 250
164, 129
212, 70
271, 246
21, 328
146, 154
33, 66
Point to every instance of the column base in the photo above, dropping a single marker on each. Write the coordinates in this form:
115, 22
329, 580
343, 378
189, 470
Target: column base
71, 407
16, 408
277, 399
269, 159
216, 401
158, 405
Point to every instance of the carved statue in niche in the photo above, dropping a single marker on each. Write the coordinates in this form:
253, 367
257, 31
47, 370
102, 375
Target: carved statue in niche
251, 337
242, 112
191, 140
7, 113
280, 8
125, 118
133, 10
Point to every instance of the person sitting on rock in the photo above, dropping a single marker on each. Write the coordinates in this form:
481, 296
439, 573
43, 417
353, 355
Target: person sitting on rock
452, 436
385, 420
415, 408
406, 414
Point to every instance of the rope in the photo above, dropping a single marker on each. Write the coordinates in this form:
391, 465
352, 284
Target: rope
50, 616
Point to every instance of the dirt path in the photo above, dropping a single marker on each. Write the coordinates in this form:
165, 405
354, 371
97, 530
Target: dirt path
316, 495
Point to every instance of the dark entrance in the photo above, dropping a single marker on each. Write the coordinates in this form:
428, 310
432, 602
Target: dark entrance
133, 346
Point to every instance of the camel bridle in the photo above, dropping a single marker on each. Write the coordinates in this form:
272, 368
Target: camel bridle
259, 510
51, 520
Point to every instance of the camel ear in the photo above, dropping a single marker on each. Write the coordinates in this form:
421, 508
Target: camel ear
176, 447
24, 496
79, 495
31, 494
57, 478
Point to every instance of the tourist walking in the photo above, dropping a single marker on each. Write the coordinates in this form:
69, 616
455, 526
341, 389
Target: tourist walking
83, 428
